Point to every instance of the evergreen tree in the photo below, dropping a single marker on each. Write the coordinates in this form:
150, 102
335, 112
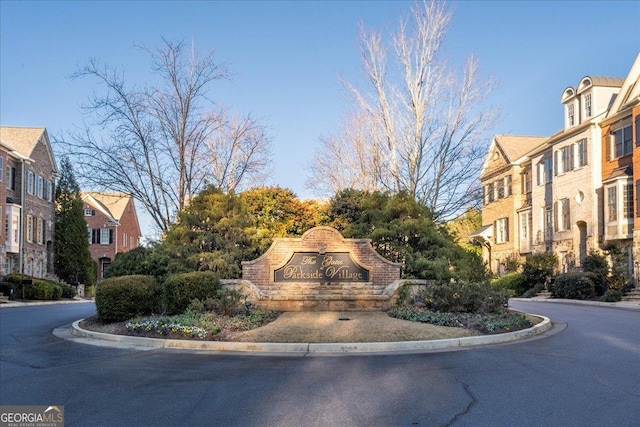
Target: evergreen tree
72, 257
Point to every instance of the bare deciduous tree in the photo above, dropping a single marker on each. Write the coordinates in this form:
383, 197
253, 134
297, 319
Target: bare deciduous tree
240, 153
426, 125
157, 142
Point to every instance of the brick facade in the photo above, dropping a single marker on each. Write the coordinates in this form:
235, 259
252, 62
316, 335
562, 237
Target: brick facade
258, 276
113, 227
28, 175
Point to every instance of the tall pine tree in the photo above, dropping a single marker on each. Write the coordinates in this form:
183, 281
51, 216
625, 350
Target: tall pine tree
72, 257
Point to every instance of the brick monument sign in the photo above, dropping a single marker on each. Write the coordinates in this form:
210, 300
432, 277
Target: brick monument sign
320, 271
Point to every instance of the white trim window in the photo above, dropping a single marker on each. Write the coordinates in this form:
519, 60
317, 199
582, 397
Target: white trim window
547, 222
571, 114
627, 200
89, 212
564, 159
30, 182
622, 141
30, 228
40, 186
41, 230
545, 170
502, 230
619, 209
587, 106
612, 203
581, 153
562, 216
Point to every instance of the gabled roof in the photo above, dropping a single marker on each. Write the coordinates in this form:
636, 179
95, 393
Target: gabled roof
23, 140
515, 146
111, 204
630, 90
512, 148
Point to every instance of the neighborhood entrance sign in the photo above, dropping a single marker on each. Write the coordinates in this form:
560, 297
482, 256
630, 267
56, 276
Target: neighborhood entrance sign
316, 267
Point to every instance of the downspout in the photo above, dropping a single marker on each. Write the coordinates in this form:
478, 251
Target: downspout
21, 251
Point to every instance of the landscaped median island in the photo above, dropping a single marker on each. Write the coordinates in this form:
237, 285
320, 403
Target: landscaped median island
432, 312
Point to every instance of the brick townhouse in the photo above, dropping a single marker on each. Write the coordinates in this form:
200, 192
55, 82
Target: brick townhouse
27, 192
112, 224
578, 187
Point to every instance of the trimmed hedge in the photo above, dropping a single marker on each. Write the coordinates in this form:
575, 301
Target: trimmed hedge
181, 289
124, 297
40, 289
574, 286
515, 283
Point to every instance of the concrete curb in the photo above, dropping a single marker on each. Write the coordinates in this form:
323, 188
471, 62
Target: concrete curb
316, 348
620, 304
16, 304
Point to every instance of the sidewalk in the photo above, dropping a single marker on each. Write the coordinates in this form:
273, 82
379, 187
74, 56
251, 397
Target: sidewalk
31, 303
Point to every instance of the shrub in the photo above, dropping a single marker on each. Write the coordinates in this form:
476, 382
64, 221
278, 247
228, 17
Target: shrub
537, 268
574, 286
68, 291
596, 267
124, 297
460, 297
89, 291
612, 295
227, 300
512, 282
181, 289
39, 290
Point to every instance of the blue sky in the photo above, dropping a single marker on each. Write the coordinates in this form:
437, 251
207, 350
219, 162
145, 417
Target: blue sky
287, 57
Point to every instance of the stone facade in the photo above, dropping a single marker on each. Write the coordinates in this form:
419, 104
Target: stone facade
258, 276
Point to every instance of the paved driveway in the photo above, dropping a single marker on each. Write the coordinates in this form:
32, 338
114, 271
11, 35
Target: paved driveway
583, 373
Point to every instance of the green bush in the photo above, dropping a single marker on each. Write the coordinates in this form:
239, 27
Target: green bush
574, 286
461, 297
538, 268
596, 267
89, 291
122, 298
68, 291
181, 289
612, 295
227, 301
513, 282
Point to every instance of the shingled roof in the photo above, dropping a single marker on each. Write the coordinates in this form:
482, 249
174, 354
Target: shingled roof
516, 146
111, 204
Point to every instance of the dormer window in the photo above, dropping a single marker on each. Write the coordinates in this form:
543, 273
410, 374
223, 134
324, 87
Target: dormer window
571, 114
587, 106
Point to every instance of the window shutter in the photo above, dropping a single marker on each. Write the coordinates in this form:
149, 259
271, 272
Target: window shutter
636, 130
586, 152
609, 142
637, 195
506, 229
495, 231
555, 163
110, 236
555, 216
570, 156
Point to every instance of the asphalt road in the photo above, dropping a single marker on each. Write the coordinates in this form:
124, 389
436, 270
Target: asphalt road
585, 372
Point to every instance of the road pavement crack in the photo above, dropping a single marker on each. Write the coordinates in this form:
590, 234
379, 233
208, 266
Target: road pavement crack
472, 402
